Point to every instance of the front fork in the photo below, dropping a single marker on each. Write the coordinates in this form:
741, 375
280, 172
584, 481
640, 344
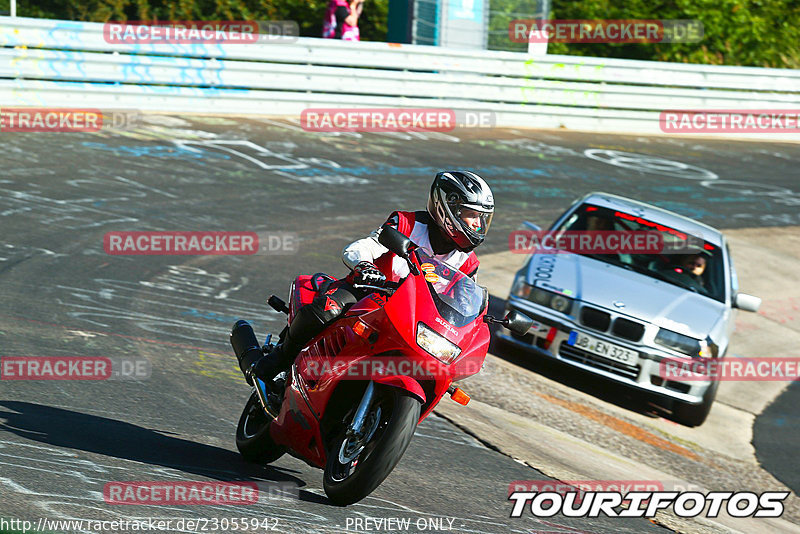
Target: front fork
355, 430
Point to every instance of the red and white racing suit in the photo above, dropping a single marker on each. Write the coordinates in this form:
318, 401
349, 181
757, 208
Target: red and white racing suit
417, 226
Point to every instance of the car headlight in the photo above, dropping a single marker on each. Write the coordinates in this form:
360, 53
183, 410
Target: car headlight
675, 341
540, 296
521, 288
436, 345
559, 303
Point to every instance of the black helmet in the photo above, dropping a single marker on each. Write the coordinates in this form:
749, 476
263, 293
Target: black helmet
462, 205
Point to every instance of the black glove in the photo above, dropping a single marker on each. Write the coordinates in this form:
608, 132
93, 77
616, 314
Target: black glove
368, 274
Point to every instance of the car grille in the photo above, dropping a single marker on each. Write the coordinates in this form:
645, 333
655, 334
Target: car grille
594, 318
587, 358
627, 329
600, 320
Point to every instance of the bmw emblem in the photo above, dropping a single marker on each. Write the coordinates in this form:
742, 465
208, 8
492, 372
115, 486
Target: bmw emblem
618, 304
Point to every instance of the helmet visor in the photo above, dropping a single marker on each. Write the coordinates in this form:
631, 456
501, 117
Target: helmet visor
474, 220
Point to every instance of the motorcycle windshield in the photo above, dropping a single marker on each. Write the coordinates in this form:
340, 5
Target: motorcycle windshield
459, 300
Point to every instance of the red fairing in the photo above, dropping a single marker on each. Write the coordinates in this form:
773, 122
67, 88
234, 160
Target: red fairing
303, 293
297, 427
403, 382
374, 331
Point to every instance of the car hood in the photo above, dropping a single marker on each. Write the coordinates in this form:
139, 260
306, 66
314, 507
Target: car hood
648, 299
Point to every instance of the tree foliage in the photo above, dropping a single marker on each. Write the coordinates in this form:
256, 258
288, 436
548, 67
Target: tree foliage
761, 33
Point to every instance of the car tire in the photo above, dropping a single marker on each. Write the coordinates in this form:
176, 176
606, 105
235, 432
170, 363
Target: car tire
695, 414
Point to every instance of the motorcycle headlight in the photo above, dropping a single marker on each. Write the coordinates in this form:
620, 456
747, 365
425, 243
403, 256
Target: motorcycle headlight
675, 341
436, 345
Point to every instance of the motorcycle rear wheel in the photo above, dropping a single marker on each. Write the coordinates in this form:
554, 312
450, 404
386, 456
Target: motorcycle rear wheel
252, 434
390, 425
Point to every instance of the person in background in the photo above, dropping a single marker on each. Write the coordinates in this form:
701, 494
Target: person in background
693, 266
341, 20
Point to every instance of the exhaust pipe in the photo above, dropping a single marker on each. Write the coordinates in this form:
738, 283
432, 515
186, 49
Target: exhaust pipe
245, 345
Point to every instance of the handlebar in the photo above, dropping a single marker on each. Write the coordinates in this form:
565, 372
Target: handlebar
387, 287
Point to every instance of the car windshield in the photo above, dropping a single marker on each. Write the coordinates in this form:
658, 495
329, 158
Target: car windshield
686, 260
459, 300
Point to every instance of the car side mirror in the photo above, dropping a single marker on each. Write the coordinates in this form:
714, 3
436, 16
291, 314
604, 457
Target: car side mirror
517, 322
746, 302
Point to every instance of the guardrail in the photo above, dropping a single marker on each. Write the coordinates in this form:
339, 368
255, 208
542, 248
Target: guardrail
65, 63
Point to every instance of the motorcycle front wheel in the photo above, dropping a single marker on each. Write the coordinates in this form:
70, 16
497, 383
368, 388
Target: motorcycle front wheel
357, 466
252, 434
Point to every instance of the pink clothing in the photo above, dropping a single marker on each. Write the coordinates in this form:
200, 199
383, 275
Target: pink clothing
350, 33
329, 25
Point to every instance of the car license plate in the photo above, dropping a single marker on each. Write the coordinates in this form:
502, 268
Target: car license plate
602, 348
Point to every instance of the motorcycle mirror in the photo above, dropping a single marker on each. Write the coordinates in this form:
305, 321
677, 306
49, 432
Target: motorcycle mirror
398, 243
517, 322
395, 241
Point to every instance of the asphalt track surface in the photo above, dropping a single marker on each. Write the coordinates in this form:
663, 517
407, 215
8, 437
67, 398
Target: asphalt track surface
775, 437
62, 295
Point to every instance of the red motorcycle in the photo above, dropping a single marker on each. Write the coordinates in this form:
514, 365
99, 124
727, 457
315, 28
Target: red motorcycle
353, 397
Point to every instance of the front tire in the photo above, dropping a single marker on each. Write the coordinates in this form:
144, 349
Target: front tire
390, 425
252, 434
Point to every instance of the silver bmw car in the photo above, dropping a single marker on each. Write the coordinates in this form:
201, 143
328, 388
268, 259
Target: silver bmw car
621, 313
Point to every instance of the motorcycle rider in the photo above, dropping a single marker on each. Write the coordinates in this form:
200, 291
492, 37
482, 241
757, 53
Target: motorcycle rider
459, 212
